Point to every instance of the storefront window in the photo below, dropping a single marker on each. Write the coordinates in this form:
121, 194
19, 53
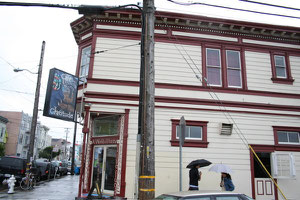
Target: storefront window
106, 126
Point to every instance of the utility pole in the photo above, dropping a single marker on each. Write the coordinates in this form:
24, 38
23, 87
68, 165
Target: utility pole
35, 107
67, 131
147, 155
73, 147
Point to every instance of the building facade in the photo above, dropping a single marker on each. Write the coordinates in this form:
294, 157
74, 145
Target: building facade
18, 134
236, 83
3, 132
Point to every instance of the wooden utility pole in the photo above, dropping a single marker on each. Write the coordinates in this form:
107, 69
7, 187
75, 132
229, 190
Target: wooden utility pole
30, 153
147, 155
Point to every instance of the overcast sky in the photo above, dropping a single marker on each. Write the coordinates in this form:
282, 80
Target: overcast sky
22, 30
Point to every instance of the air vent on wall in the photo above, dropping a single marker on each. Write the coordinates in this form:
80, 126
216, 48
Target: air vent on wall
226, 129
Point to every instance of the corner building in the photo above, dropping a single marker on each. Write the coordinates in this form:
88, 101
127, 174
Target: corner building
235, 82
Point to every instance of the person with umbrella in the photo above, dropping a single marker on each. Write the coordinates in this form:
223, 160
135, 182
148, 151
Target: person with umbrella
226, 182
194, 174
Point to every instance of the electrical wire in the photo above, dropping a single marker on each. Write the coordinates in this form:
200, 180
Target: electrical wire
235, 9
106, 50
268, 4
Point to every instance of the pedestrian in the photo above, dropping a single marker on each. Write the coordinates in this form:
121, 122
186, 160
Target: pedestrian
195, 176
226, 182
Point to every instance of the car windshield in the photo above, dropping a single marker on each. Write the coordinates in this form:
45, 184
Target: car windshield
11, 161
247, 197
167, 197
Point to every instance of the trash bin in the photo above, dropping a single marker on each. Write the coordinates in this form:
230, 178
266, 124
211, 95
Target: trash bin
77, 170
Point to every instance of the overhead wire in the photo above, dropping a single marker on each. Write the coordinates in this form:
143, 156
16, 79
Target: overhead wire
272, 5
231, 8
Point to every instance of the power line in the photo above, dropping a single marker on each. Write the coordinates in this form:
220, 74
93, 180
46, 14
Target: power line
268, 4
103, 51
230, 8
17, 91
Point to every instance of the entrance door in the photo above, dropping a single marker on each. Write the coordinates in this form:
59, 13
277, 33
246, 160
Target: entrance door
264, 188
104, 164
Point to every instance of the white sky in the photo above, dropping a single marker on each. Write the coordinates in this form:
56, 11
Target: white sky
22, 30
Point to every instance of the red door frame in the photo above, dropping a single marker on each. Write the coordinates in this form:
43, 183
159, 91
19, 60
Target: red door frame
260, 148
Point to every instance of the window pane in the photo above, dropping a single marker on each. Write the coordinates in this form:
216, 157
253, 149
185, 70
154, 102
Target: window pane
279, 61
213, 57
196, 132
106, 125
280, 72
85, 61
178, 130
234, 77
233, 59
282, 136
293, 137
213, 76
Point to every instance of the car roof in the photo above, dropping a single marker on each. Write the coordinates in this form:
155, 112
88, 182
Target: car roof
194, 193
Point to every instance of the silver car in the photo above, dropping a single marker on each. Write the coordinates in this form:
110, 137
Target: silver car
204, 195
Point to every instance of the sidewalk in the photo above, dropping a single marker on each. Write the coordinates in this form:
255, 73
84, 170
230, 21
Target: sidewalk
65, 188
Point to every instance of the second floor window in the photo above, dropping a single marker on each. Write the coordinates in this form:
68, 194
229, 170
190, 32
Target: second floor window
280, 66
85, 62
233, 68
223, 68
213, 65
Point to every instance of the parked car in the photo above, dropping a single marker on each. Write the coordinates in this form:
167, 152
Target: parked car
43, 168
61, 166
205, 195
10, 165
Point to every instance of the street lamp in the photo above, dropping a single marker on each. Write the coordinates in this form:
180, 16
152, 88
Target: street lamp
19, 70
36, 104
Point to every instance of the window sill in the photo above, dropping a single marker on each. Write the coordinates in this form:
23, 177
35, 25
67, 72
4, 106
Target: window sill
283, 81
190, 143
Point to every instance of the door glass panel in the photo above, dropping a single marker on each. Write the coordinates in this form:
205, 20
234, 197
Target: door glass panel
98, 164
111, 154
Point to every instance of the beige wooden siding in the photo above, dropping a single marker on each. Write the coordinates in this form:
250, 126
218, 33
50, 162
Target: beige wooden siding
171, 62
259, 74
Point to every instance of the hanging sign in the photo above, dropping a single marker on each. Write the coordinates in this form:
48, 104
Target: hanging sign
61, 95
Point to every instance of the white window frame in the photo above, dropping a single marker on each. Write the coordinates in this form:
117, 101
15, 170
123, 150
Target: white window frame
211, 66
84, 66
279, 66
275, 165
240, 69
189, 133
293, 143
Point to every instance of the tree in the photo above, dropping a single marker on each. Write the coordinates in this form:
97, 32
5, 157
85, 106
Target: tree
48, 153
2, 149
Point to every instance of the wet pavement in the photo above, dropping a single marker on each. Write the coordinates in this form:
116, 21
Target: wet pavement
64, 188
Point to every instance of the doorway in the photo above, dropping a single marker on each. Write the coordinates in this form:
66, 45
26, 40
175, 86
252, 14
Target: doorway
104, 164
264, 187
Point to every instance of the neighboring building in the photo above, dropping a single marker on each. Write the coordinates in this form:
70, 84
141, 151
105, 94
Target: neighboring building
18, 134
42, 139
63, 146
3, 132
250, 95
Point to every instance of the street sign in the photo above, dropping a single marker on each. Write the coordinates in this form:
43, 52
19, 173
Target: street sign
55, 149
182, 129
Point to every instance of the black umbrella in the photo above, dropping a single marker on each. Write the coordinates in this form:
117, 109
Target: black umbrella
201, 162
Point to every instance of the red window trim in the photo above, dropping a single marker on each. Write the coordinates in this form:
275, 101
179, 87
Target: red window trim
224, 81
289, 79
285, 128
188, 142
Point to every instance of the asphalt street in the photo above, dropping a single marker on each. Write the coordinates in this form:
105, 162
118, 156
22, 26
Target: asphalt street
64, 188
